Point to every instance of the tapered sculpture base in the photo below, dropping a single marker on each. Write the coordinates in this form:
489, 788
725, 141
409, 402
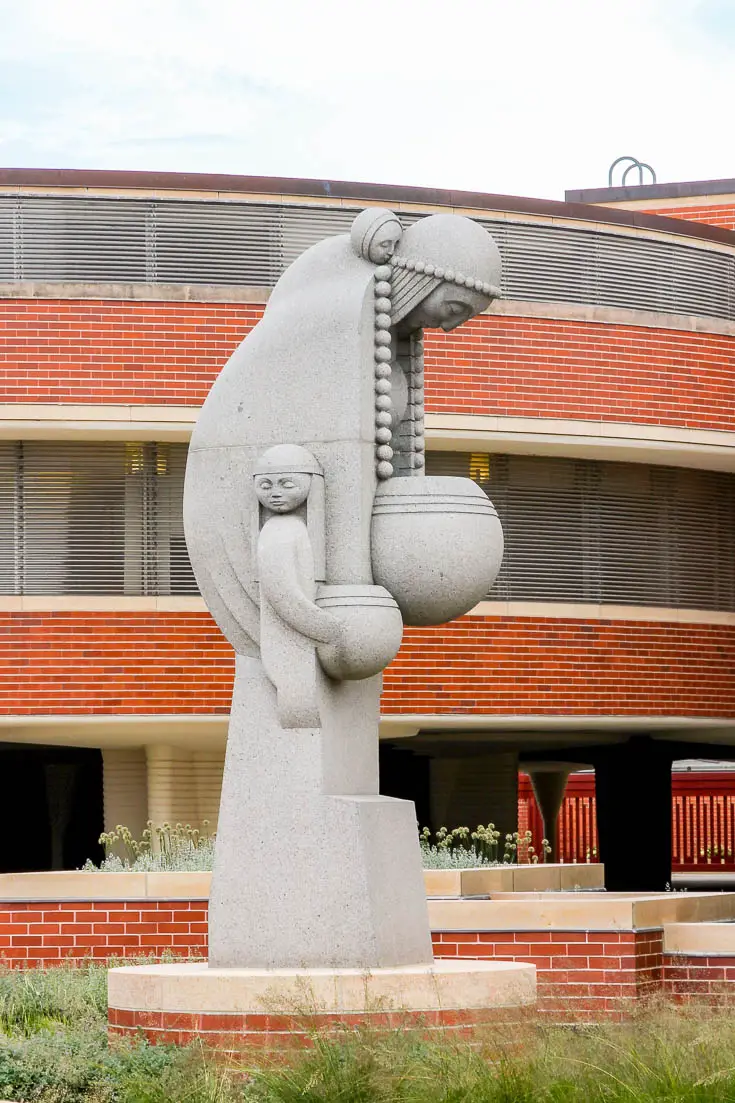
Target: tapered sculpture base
313, 868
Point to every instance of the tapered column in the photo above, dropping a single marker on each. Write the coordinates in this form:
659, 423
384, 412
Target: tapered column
125, 788
208, 767
172, 795
549, 782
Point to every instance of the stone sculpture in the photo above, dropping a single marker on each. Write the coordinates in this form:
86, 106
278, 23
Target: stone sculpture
315, 535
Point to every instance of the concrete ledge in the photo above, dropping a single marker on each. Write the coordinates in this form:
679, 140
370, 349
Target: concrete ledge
700, 938
580, 911
487, 880
93, 885
440, 985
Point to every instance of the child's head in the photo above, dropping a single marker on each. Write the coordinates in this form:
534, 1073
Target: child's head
282, 477
375, 234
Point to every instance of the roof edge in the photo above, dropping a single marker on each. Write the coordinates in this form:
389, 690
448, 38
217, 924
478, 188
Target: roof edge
350, 190
685, 189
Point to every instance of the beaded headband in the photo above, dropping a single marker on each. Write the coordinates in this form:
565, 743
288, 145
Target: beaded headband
446, 275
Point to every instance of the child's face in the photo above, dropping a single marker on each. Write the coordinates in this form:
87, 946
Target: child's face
383, 245
282, 493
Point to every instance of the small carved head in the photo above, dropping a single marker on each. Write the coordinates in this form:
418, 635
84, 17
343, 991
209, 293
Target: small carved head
375, 233
282, 493
282, 477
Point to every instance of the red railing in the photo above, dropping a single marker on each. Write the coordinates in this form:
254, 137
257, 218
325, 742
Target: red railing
703, 819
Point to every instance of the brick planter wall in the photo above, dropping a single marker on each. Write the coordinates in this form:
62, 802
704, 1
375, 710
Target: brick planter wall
598, 974
594, 973
42, 933
705, 977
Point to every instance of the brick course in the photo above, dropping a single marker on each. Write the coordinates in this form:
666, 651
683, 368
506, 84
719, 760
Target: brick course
101, 663
169, 353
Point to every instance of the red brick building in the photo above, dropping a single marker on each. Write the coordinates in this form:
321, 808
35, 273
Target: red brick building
594, 404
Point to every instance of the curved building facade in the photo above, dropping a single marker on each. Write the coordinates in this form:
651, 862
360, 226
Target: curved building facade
594, 404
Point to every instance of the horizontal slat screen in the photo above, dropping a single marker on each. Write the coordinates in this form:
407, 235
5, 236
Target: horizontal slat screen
106, 518
219, 242
613, 533
79, 518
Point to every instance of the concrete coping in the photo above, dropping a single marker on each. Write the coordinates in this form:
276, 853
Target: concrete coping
583, 911
96, 885
701, 939
444, 984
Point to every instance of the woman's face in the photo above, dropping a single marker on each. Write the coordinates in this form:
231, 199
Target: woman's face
282, 493
446, 307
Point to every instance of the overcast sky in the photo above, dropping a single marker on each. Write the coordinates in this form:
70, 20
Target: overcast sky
526, 97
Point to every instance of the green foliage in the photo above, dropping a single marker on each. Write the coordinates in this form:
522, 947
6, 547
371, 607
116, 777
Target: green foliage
54, 1049
31, 999
168, 848
465, 849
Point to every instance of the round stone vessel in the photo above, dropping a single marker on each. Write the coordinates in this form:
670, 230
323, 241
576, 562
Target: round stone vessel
371, 630
437, 545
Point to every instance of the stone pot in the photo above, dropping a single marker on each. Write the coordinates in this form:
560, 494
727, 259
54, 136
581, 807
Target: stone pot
437, 545
371, 631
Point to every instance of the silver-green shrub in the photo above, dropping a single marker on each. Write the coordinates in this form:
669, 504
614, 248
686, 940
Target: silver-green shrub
170, 848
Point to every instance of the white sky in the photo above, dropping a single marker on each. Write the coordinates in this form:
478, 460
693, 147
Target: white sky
525, 97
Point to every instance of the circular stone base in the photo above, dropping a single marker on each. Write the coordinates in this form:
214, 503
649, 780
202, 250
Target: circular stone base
236, 1008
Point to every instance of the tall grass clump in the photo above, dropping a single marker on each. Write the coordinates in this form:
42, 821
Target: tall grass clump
167, 848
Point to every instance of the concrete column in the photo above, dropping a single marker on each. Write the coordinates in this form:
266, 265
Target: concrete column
475, 789
172, 792
208, 768
125, 789
549, 781
633, 789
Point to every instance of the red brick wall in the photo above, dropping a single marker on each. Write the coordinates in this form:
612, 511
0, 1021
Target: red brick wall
539, 665
113, 663
716, 214
170, 353
546, 368
112, 351
178, 662
47, 933
595, 973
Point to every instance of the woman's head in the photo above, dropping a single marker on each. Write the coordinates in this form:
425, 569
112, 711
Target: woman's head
447, 269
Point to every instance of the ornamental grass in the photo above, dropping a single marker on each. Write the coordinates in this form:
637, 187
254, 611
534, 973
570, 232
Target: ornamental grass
54, 1049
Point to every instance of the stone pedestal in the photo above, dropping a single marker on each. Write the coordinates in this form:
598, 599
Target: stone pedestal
313, 868
234, 1009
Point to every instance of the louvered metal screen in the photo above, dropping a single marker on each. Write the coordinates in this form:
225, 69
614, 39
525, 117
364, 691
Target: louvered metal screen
218, 242
80, 518
614, 533
86, 518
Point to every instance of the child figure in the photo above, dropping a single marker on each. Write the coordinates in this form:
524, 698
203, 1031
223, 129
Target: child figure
289, 486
